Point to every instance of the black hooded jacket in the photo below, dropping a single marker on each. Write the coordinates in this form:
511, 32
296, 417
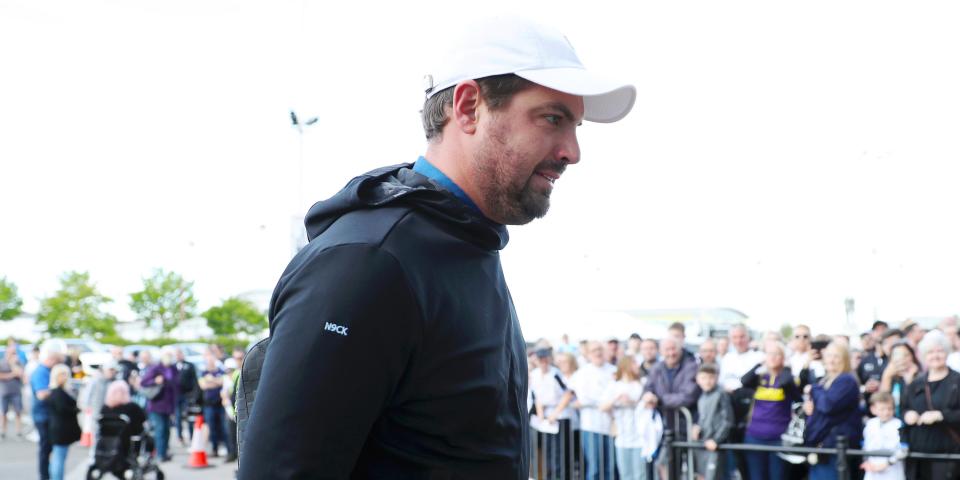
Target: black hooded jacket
396, 352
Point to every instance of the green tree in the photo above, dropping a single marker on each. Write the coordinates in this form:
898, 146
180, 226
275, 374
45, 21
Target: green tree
10, 301
76, 309
235, 315
165, 301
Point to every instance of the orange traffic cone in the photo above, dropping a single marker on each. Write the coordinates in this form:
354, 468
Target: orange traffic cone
86, 437
198, 452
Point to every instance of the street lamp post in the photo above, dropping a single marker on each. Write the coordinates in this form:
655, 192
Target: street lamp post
298, 234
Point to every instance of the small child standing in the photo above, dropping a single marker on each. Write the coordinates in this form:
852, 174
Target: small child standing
715, 412
882, 433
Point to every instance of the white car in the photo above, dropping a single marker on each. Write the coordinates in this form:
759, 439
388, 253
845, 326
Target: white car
92, 353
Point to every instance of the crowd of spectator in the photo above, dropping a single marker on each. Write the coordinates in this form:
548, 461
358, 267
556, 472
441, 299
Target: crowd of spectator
164, 394
600, 409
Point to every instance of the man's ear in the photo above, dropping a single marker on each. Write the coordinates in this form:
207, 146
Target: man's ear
466, 105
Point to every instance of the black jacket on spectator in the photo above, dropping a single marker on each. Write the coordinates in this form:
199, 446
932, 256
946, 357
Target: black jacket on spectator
189, 385
396, 351
945, 396
64, 428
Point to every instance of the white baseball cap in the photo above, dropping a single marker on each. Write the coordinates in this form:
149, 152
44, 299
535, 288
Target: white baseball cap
540, 54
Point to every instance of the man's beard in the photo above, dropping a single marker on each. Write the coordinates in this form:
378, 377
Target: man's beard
510, 200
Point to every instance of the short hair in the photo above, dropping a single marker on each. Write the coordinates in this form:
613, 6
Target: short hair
56, 371
118, 393
893, 332
933, 338
52, 347
709, 369
635, 336
496, 91
677, 326
879, 323
881, 397
653, 341
802, 325
740, 326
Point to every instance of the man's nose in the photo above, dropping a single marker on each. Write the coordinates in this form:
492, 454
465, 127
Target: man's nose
569, 151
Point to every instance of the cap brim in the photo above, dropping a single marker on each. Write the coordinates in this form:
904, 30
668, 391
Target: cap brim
604, 100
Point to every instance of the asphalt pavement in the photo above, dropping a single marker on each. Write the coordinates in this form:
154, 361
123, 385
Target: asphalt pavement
18, 461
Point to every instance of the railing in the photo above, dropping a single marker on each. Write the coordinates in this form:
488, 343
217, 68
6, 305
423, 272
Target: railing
561, 456
842, 451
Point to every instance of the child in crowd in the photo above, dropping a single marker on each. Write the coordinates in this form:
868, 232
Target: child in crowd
715, 413
882, 433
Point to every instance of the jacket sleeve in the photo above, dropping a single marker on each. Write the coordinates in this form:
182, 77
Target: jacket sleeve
951, 412
345, 326
724, 418
687, 390
842, 395
791, 388
751, 379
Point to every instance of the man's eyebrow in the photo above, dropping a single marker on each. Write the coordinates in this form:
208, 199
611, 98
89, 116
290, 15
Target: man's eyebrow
560, 107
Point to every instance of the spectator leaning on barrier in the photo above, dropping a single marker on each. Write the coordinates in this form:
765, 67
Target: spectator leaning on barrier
621, 398
548, 392
402, 279
672, 384
882, 432
776, 390
733, 366
931, 406
833, 410
588, 385
714, 424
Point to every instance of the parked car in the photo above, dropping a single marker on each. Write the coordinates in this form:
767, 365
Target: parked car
92, 353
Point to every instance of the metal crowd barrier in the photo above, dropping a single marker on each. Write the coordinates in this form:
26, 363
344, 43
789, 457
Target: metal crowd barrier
561, 456
841, 451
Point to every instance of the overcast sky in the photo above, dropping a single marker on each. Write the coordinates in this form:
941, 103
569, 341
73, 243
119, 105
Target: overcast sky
780, 157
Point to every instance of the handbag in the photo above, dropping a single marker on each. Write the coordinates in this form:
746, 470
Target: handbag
151, 392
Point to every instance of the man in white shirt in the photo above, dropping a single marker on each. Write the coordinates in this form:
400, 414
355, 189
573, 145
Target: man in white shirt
734, 365
589, 384
739, 360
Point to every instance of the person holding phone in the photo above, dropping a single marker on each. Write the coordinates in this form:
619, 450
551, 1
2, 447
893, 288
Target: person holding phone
900, 372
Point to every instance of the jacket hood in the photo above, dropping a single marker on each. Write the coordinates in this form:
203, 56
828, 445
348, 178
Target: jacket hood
400, 185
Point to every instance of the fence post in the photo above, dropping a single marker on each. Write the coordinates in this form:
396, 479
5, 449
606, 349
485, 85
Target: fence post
668, 449
842, 469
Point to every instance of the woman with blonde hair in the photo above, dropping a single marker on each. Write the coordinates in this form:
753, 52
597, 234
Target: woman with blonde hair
621, 398
64, 428
833, 409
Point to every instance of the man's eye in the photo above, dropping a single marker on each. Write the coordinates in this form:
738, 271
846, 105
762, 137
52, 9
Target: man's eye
553, 119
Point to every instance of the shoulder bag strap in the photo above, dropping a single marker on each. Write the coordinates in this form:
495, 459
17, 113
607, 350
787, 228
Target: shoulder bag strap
949, 429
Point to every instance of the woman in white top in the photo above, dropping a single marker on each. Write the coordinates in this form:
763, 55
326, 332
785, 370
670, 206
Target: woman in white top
621, 398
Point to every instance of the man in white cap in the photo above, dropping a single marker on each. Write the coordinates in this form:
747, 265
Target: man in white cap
395, 347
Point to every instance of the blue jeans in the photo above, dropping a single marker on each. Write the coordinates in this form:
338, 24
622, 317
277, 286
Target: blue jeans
598, 455
43, 429
180, 414
213, 416
630, 464
59, 461
825, 469
160, 422
764, 464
